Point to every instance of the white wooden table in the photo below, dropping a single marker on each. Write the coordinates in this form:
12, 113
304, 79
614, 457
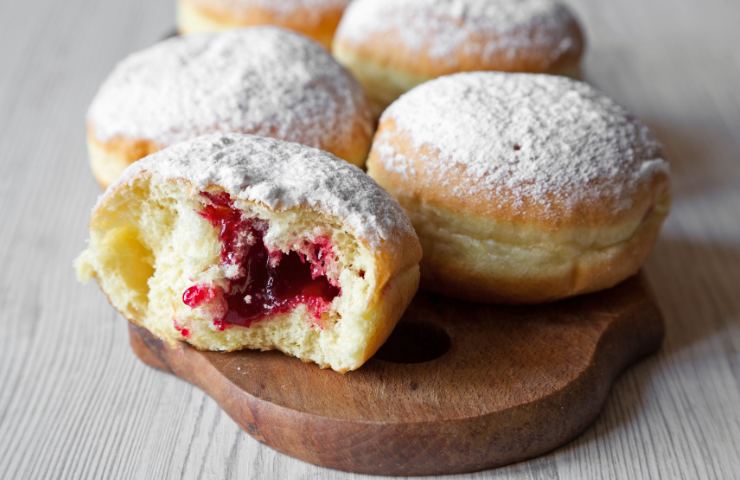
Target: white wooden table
75, 403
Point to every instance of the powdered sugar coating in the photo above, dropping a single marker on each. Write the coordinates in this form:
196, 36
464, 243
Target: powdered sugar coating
281, 175
261, 80
540, 139
442, 27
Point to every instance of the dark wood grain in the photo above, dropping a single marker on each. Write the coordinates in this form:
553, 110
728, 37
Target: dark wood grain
512, 384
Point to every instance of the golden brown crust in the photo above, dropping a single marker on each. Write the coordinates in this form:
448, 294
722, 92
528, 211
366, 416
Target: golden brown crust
389, 306
109, 159
592, 270
196, 16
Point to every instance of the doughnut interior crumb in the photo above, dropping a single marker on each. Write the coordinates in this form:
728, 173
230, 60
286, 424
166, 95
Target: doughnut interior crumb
150, 242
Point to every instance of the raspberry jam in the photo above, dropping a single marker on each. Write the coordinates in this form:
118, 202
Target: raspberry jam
183, 331
266, 282
197, 295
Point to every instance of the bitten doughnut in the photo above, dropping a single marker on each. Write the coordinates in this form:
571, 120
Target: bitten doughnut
231, 242
262, 80
316, 19
392, 46
523, 188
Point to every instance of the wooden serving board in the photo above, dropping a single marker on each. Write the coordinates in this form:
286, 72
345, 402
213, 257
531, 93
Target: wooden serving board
457, 388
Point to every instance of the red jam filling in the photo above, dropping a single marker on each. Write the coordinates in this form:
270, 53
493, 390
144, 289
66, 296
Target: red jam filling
197, 295
266, 282
183, 330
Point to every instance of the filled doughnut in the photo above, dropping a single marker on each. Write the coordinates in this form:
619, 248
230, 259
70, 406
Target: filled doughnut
262, 80
235, 241
523, 188
392, 46
316, 19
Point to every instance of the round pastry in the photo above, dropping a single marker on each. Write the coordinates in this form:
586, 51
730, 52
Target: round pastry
262, 80
392, 46
237, 241
316, 19
523, 188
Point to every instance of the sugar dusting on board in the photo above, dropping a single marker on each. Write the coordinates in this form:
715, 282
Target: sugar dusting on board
536, 137
262, 80
282, 175
441, 27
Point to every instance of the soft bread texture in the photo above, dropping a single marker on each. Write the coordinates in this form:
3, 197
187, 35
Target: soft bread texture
317, 19
392, 46
148, 244
539, 189
236, 81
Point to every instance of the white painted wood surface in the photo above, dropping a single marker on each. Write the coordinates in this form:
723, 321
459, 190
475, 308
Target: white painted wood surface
75, 403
